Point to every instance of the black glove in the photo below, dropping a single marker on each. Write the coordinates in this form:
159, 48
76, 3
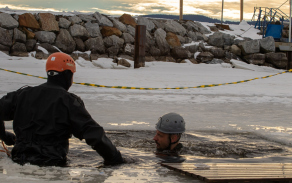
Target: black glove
9, 139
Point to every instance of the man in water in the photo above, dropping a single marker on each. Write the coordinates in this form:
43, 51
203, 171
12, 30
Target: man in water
169, 129
45, 117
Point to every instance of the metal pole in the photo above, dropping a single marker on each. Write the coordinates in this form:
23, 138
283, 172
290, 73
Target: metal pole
222, 11
290, 22
181, 10
241, 10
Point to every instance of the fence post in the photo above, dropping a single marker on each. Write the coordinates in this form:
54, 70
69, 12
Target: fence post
140, 40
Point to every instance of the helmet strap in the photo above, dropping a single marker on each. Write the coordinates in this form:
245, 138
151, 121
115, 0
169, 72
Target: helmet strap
170, 143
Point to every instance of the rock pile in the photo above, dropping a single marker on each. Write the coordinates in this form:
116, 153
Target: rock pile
105, 36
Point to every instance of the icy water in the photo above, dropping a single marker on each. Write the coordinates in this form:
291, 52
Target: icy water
217, 131
138, 148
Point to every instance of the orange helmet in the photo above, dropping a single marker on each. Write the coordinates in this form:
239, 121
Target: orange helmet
60, 62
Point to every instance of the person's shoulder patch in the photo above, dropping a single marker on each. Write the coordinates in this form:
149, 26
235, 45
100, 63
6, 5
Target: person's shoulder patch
77, 100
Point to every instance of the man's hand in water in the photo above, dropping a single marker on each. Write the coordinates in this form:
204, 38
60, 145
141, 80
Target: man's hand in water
9, 139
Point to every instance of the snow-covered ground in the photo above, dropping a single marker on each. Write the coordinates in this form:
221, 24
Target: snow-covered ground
261, 106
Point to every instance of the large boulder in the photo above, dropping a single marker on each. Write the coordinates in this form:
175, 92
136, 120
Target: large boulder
79, 44
217, 52
48, 22
85, 56
129, 49
202, 28
188, 40
128, 20
131, 30
45, 37
150, 40
180, 53
216, 39
175, 27
154, 51
6, 37
160, 36
196, 27
102, 20
250, 47
256, 59
79, 31
279, 60
228, 39
29, 34
4, 49
7, 21
86, 18
124, 62
172, 40
181, 39
50, 48
41, 54
145, 21
119, 25
28, 20
113, 51
65, 42
113, 41
64, 23
235, 50
205, 57
75, 20
192, 48
267, 45
19, 49
192, 35
128, 38
30, 44
159, 23
95, 45
18, 36
109, 31
201, 36
93, 29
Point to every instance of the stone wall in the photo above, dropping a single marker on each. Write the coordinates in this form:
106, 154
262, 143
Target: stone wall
106, 36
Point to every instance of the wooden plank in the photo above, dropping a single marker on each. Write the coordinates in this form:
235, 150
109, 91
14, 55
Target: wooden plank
228, 164
241, 172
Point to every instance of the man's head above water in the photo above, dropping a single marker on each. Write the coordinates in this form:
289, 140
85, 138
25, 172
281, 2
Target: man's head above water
169, 129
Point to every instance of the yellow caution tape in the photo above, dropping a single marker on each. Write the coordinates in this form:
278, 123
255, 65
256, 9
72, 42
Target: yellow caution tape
140, 88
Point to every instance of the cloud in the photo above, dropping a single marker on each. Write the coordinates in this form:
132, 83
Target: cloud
210, 8
25, 7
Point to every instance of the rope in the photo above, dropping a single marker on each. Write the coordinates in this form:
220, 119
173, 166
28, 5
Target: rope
5, 150
282, 4
140, 88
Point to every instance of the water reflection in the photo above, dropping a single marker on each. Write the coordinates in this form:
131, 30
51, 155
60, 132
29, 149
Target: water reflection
129, 123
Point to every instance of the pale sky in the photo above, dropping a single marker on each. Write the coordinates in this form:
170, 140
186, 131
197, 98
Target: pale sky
210, 8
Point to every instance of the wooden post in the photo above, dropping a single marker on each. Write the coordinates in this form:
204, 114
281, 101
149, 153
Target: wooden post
140, 40
222, 12
181, 10
241, 10
290, 24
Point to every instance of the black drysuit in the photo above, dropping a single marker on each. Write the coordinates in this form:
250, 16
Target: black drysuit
44, 118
